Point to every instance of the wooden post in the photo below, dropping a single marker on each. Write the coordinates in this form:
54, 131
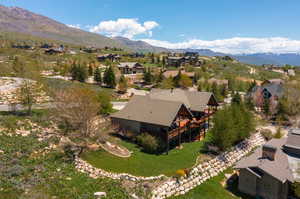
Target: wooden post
168, 143
179, 139
190, 132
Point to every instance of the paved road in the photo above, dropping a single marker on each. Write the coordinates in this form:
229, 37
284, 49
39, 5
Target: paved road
5, 107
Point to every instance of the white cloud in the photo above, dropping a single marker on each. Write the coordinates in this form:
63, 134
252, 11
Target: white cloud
77, 26
124, 27
236, 45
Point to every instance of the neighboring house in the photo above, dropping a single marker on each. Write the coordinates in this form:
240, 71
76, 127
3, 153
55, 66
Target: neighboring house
270, 170
174, 73
46, 46
267, 91
191, 54
109, 57
53, 51
131, 68
273, 81
25, 46
173, 115
181, 61
175, 61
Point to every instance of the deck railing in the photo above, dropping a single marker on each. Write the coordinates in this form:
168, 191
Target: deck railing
191, 124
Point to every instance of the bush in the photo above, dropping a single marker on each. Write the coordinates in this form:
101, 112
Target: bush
180, 173
267, 134
278, 134
149, 143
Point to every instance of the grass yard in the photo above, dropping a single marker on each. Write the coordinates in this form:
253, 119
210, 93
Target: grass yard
213, 189
143, 164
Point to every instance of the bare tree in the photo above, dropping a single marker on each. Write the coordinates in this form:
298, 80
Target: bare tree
77, 107
28, 94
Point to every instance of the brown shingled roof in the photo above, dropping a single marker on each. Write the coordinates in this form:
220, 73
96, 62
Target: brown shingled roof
194, 100
152, 111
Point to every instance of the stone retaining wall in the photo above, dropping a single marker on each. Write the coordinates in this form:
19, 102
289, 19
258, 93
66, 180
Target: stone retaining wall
93, 172
198, 174
202, 172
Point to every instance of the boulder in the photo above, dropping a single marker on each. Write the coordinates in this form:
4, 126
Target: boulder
100, 194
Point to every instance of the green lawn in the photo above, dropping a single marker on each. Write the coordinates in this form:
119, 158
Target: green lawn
143, 164
213, 189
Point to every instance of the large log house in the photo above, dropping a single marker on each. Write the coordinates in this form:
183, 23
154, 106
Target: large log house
173, 115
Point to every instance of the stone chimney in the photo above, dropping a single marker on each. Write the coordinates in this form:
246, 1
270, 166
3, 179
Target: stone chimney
269, 152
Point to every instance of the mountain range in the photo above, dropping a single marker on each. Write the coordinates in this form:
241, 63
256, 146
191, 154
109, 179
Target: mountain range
14, 19
19, 20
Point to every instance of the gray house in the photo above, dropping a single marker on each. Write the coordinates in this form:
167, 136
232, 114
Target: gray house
131, 68
270, 170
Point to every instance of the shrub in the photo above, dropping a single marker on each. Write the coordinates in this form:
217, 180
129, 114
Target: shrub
149, 143
180, 173
296, 189
278, 133
267, 134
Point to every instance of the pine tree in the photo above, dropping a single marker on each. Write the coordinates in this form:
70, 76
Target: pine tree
160, 77
147, 77
109, 78
236, 99
97, 76
266, 106
91, 70
177, 78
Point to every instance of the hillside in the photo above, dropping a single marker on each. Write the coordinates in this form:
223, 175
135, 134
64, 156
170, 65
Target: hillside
14, 19
140, 46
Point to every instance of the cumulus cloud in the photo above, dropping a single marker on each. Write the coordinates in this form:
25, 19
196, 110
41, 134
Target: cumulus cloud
236, 45
124, 27
77, 26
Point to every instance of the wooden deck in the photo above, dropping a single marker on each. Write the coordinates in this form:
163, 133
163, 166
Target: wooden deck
191, 124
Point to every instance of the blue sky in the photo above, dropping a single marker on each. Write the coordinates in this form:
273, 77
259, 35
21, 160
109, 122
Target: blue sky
183, 23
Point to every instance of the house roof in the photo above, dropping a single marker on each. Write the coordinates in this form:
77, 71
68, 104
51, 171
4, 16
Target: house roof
293, 140
128, 64
275, 89
194, 100
279, 168
148, 110
274, 81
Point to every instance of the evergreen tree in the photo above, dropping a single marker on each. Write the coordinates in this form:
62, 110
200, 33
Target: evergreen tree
216, 91
97, 76
177, 78
163, 61
236, 99
266, 106
109, 77
78, 72
160, 77
147, 76
91, 70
